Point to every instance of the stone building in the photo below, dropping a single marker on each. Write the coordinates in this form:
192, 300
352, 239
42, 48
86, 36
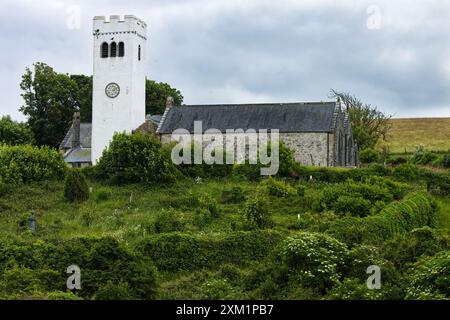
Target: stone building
319, 133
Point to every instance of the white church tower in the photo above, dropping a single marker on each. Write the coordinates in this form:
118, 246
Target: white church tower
118, 99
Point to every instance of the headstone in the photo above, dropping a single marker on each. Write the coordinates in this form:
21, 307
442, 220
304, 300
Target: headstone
32, 222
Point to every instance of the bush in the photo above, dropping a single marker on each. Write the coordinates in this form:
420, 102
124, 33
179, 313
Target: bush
314, 259
256, 212
446, 161
423, 156
429, 278
43, 265
14, 133
204, 170
406, 172
356, 206
416, 210
368, 191
286, 168
396, 160
301, 189
136, 158
114, 291
176, 251
234, 195
405, 249
25, 164
169, 221
277, 188
76, 187
369, 155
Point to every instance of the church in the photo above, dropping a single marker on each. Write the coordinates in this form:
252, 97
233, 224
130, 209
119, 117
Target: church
319, 133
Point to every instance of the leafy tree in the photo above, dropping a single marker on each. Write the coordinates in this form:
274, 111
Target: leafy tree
50, 101
156, 95
14, 133
84, 96
136, 158
368, 123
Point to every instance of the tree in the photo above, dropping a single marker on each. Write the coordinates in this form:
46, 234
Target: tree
156, 95
84, 96
50, 101
368, 123
14, 133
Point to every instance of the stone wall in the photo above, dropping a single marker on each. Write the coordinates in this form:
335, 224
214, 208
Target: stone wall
310, 148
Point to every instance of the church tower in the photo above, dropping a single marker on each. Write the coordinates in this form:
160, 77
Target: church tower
118, 98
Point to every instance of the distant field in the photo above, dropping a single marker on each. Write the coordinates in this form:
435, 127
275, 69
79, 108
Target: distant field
406, 134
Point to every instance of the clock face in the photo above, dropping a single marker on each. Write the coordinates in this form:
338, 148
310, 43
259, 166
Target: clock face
112, 90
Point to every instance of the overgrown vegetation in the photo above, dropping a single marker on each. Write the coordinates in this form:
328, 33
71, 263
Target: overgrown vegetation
153, 230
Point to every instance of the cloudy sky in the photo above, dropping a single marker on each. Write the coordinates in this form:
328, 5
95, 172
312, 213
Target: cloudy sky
392, 54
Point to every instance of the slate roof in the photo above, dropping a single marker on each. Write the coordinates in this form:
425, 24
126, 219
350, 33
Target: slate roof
85, 137
286, 117
78, 155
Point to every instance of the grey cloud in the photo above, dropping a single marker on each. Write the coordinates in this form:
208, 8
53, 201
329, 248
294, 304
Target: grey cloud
249, 51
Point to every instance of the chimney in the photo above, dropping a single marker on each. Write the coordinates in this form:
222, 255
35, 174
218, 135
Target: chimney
76, 130
169, 102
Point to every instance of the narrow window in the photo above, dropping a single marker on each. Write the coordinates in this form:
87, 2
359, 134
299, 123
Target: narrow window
139, 53
121, 49
104, 51
113, 49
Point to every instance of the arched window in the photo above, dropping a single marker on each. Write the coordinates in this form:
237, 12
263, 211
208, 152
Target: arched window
121, 49
104, 50
113, 49
139, 52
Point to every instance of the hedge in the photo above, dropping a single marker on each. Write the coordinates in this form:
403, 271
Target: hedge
415, 210
187, 252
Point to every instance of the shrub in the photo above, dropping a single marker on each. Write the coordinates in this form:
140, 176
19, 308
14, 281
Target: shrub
429, 278
210, 204
234, 195
204, 170
314, 259
114, 291
356, 206
14, 133
136, 158
169, 221
256, 212
76, 187
367, 191
416, 210
253, 171
406, 172
396, 160
369, 155
423, 156
446, 161
24, 164
277, 188
301, 189
353, 289
188, 252
405, 249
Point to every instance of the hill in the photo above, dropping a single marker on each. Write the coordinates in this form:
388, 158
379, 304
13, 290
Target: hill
406, 134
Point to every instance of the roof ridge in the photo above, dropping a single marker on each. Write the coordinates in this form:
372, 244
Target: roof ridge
253, 104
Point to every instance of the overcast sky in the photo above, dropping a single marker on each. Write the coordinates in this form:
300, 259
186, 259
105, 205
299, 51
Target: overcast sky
392, 54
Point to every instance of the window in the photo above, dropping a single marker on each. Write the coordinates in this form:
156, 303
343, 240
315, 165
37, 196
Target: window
104, 50
139, 53
121, 49
113, 49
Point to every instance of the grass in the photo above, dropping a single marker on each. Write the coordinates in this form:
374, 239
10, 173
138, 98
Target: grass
406, 134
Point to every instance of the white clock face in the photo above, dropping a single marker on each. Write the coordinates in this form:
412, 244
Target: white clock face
112, 90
